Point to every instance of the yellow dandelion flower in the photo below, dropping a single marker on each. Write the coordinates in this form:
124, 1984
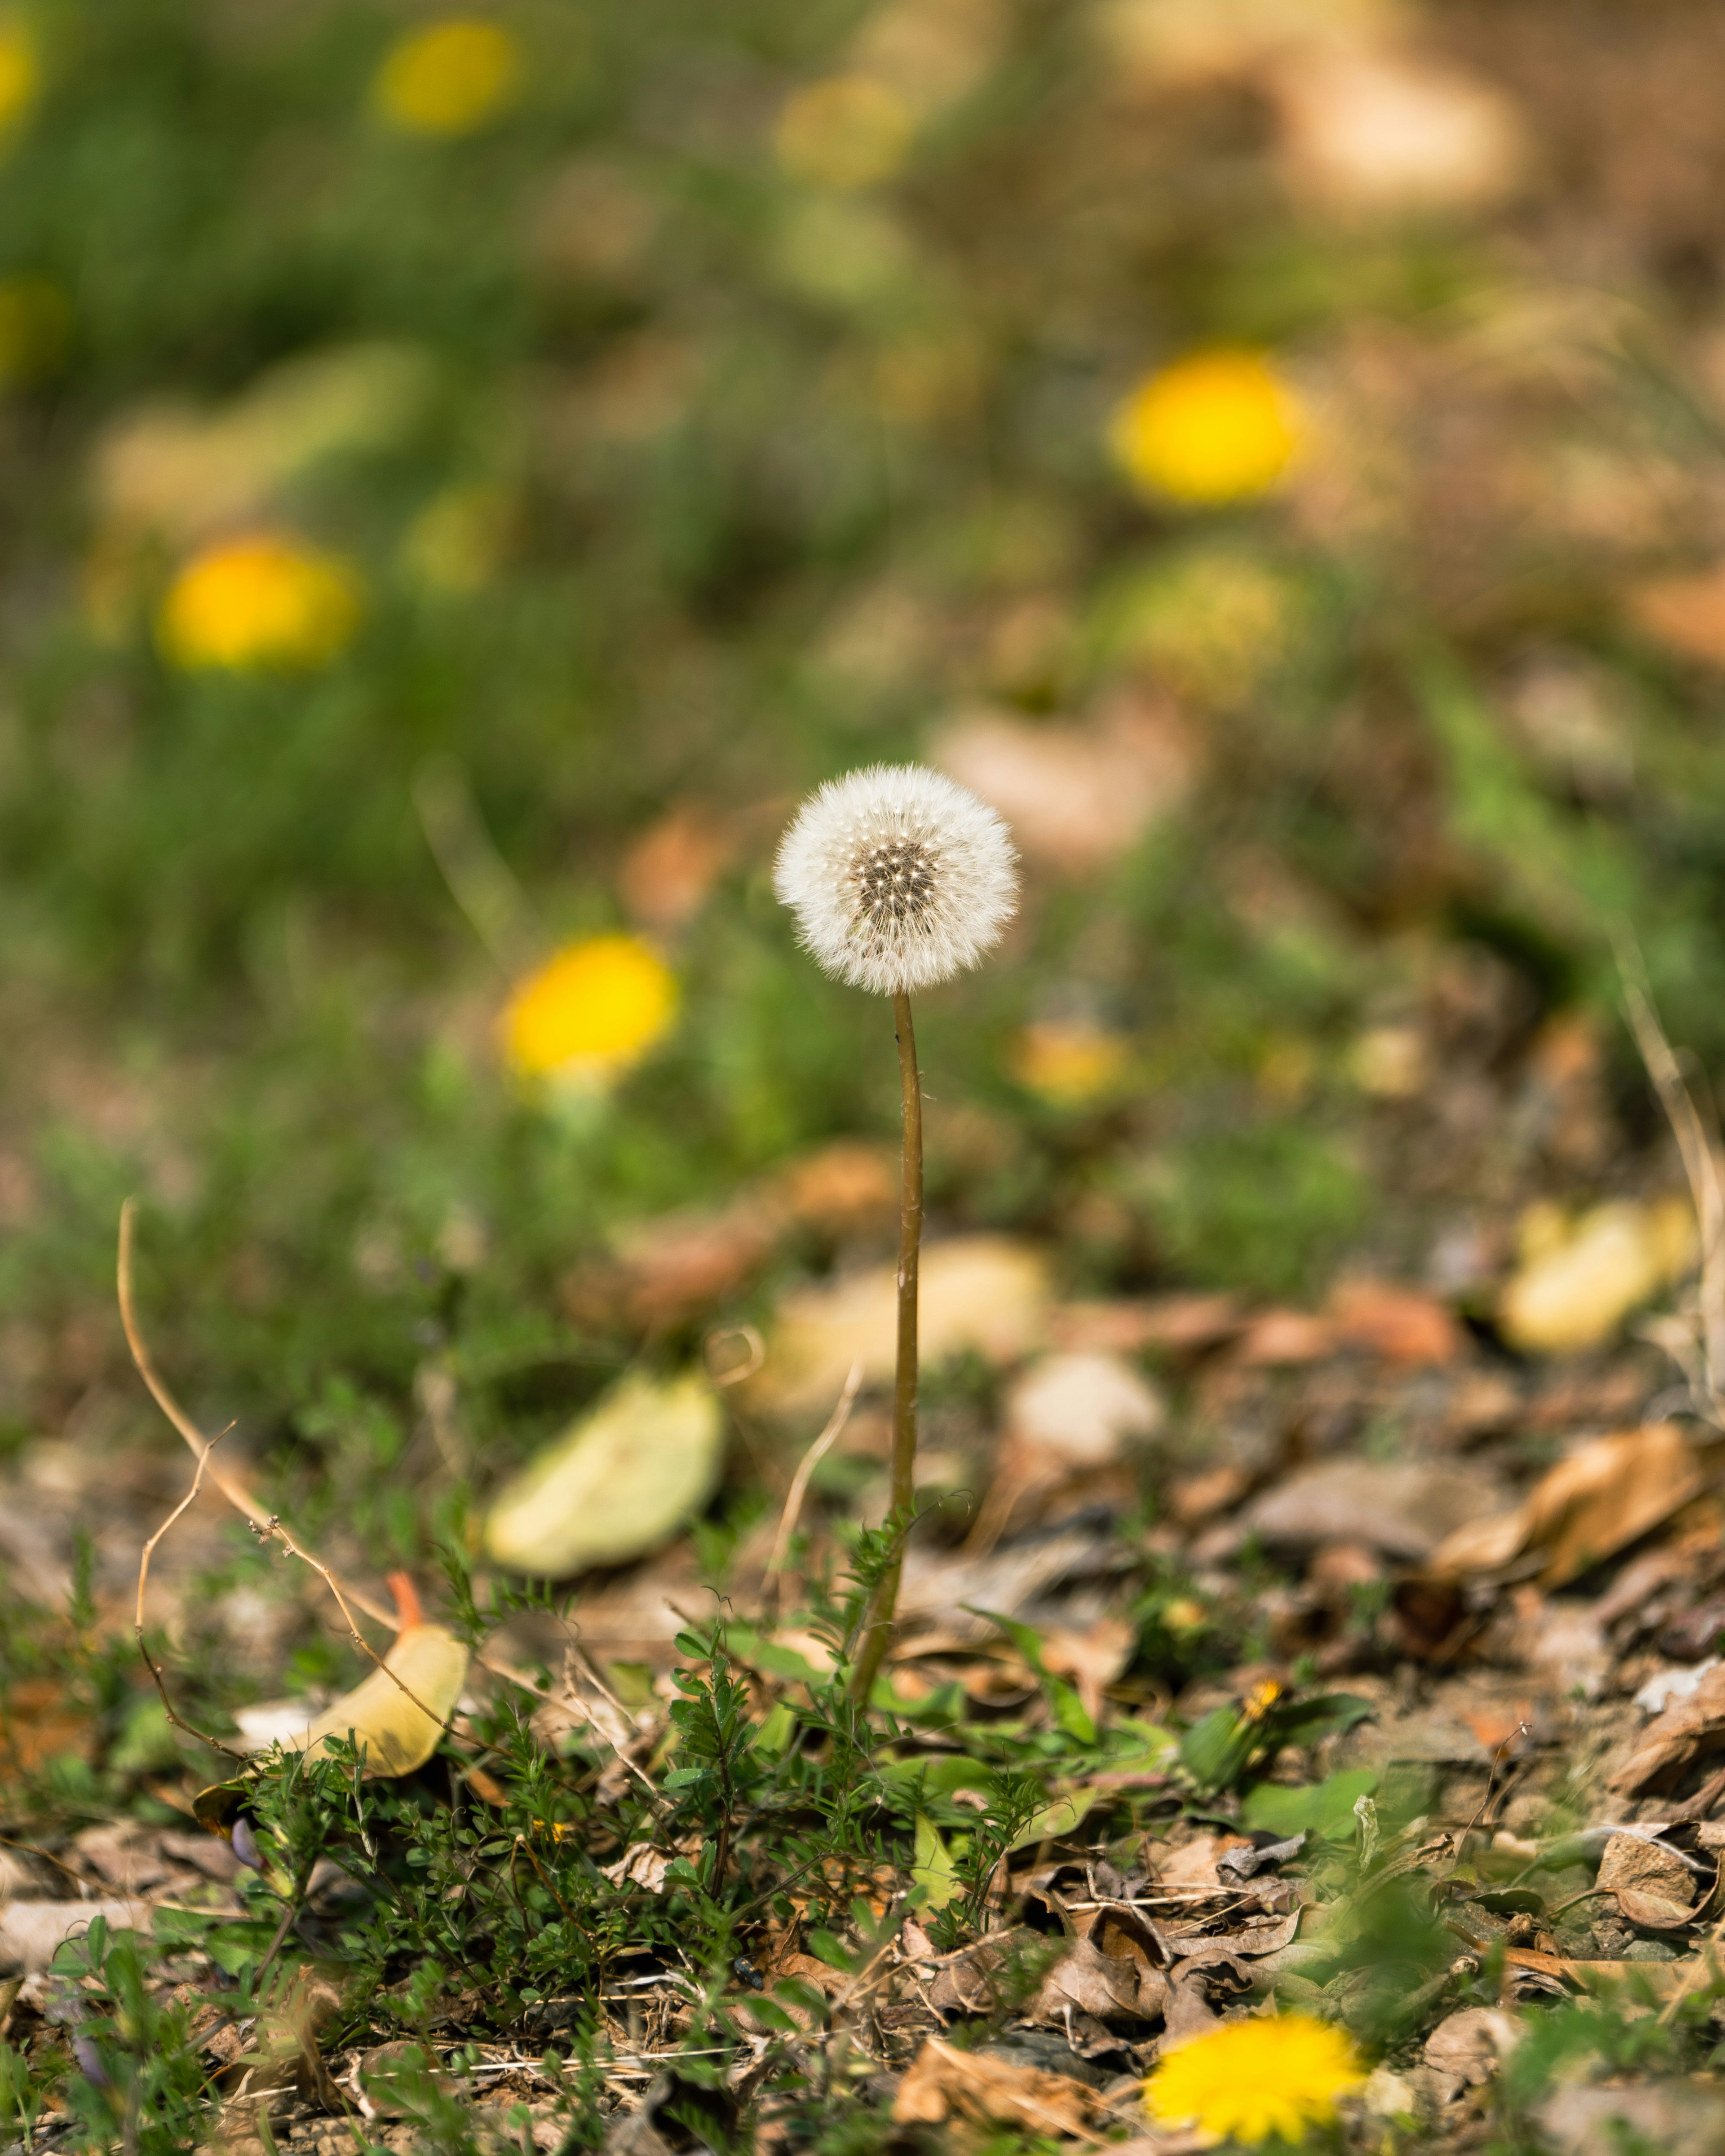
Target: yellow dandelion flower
451, 77
259, 601
1069, 1064
1215, 427
20, 77
1257, 2079
848, 132
591, 1011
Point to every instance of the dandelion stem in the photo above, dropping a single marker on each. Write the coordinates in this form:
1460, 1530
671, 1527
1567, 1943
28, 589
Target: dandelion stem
877, 1629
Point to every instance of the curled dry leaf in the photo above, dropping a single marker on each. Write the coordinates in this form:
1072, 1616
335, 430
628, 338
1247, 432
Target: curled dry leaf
1690, 1727
1602, 1497
620, 1482
1472, 2043
943, 2082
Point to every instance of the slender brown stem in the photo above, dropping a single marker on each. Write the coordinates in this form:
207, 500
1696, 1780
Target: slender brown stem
877, 1627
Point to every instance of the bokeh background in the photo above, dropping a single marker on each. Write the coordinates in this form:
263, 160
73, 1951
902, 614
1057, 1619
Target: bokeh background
465, 476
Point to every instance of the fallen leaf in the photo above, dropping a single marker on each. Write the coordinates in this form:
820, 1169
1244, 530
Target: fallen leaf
672, 1267
1472, 2043
1604, 1495
1404, 1508
397, 1733
932, 1868
1653, 1912
623, 1479
1694, 1724
1077, 797
839, 1188
1110, 1987
942, 2080
1576, 1293
987, 1294
1677, 2117
640, 1864
1662, 1978
1685, 613
1371, 129
1082, 1410
1288, 1335
1399, 1323
30, 1932
665, 877
38, 1723
1174, 1321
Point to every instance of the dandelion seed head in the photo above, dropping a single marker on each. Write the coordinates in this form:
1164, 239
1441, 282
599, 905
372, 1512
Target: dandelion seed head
898, 878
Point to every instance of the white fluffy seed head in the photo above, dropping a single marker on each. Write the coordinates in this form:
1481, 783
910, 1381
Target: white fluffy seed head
898, 878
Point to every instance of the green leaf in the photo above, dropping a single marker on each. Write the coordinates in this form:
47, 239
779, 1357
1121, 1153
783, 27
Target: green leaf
1321, 1808
933, 1870
1065, 1815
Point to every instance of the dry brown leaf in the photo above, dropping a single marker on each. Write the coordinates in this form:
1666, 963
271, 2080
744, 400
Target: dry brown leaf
1288, 1335
1653, 1912
1077, 796
1685, 613
665, 877
1399, 1323
38, 1723
942, 2082
1687, 1729
1664, 1978
1178, 1322
1101, 1984
1082, 1410
1472, 2043
1403, 1507
1374, 130
1604, 1495
839, 1189
30, 1932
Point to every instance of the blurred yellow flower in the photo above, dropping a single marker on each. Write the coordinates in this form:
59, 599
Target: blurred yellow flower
1215, 427
848, 132
1252, 2081
20, 78
1069, 1064
35, 325
591, 1011
259, 601
450, 78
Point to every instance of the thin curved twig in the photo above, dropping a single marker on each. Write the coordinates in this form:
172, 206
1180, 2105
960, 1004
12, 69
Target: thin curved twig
179, 1722
805, 1468
267, 1526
